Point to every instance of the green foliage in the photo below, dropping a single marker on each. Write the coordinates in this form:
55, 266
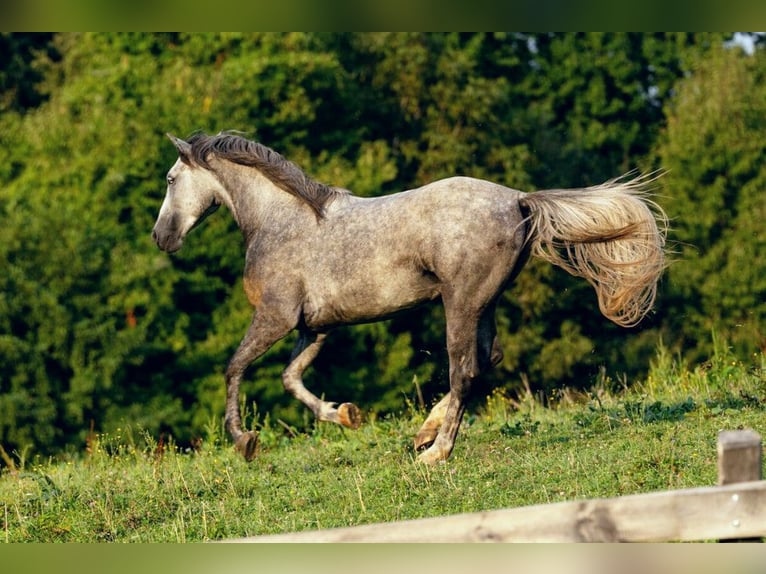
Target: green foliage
19, 77
98, 329
716, 153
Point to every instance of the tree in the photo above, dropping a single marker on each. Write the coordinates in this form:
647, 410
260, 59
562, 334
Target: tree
19, 76
715, 151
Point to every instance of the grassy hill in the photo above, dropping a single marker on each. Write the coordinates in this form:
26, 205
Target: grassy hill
655, 434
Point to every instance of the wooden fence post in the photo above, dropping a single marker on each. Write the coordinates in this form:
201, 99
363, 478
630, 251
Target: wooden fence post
739, 460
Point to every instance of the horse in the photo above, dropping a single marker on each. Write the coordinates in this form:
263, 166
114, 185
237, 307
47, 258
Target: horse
319, 257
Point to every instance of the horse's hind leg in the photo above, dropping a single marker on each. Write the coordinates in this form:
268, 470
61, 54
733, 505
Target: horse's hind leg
433, 422
306, 350
488, 354
464, 367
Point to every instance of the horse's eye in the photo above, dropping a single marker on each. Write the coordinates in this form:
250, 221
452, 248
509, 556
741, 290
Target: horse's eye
171, 180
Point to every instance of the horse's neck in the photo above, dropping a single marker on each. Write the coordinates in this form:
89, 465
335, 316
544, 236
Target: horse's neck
260, 207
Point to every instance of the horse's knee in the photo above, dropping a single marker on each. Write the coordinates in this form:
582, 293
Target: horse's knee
234, 370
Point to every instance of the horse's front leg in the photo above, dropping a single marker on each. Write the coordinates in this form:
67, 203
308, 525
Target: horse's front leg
306, 350
261, 335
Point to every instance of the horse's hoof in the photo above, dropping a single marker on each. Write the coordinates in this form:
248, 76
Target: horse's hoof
247, 445
349, 415
432, 456
425, 438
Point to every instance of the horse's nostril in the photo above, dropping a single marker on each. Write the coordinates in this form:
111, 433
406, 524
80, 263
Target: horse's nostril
154, 235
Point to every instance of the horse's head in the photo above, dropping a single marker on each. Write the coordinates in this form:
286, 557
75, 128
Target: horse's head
192, 194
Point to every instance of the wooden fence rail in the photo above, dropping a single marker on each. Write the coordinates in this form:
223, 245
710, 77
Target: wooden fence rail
736, 509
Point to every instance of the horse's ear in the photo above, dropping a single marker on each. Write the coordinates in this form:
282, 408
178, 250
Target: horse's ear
183, 147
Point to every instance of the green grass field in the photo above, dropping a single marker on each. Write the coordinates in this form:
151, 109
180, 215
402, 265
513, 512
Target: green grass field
658, 434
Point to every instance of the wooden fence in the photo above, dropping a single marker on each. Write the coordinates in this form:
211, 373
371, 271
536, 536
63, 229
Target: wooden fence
733, 510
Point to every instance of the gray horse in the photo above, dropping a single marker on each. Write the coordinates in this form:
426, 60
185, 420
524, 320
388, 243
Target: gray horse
319, 257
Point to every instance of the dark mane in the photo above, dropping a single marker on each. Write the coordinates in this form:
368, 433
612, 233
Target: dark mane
283, 173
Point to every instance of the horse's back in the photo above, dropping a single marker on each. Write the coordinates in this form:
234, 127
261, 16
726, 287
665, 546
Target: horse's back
468, 220
452, 205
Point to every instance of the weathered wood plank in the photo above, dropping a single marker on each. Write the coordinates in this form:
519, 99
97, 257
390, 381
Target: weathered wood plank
731, 511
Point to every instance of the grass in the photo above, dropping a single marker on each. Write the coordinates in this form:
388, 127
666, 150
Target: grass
658, 434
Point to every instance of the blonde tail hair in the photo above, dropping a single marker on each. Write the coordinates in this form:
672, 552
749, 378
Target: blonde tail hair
612, 235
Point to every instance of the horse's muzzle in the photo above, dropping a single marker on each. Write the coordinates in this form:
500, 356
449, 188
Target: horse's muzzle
168, 242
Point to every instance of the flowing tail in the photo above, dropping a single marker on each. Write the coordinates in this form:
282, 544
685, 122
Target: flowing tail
612, 235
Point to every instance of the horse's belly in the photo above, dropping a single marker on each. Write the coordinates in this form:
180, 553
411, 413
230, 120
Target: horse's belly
366, 299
